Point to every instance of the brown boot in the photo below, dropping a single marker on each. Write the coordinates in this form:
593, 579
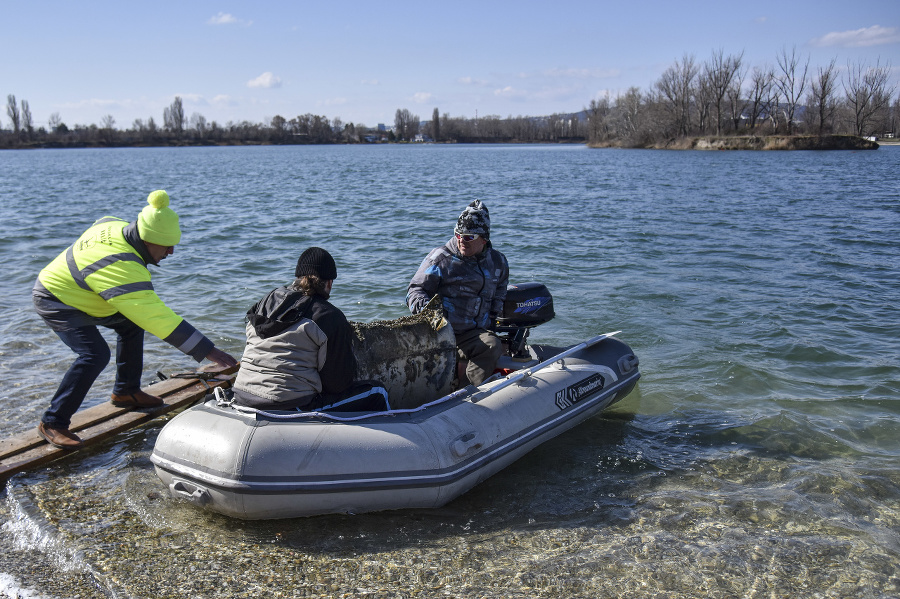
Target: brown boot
138, 399
59, 437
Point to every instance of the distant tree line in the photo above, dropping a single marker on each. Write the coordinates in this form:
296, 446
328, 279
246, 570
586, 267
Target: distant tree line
721, 96
176, 129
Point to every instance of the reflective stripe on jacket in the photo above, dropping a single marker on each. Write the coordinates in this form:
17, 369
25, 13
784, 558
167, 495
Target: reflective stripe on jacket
103, 273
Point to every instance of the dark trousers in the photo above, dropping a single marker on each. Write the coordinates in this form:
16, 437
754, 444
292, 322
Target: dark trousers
482, 349
93, 356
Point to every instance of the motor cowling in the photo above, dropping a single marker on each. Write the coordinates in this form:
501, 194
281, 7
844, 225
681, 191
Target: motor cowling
526, 306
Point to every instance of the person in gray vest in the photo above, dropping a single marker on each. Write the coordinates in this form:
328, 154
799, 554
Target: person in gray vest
299, 353
471, 277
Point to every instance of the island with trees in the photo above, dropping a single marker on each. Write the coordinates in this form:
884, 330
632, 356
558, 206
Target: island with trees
719, 103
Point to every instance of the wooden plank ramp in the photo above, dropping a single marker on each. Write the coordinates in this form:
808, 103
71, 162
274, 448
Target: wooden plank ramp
94, 425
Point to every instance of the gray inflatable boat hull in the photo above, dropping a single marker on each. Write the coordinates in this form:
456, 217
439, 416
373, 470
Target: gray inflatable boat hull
253, 466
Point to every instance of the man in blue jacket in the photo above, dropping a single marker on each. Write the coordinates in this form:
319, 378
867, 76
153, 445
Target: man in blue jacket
470, 277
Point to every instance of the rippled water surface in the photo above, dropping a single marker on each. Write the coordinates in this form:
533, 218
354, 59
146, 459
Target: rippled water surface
758, 457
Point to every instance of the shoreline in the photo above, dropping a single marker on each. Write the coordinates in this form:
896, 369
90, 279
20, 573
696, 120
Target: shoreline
762, 143
736, 142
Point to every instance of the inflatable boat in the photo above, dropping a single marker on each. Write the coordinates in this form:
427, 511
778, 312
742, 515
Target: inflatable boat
253, 464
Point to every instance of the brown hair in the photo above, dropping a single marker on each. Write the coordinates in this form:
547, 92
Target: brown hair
311, 285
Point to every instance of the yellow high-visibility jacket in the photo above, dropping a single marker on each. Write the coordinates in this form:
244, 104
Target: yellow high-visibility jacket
105, 272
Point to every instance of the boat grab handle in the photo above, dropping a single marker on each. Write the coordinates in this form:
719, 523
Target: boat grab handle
193, 493
521, 374
628, 363
461, 445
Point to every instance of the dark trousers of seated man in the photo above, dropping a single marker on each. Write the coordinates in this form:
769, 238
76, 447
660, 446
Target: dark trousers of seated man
482, 349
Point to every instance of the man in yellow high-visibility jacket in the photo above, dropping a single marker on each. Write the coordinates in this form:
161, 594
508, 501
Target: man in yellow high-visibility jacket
102, 279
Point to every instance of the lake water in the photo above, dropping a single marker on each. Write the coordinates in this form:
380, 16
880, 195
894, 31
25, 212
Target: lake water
758, 457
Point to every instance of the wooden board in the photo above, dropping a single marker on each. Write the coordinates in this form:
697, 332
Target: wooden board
94, 425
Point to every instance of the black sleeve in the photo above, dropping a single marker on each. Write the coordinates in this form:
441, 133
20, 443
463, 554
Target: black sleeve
339, 371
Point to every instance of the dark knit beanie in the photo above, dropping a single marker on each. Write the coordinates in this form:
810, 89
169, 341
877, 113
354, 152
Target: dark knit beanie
474, 220
316, 262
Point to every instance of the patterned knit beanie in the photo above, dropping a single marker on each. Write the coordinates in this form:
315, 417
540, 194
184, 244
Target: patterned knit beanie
157, 223
474, 220
317, 262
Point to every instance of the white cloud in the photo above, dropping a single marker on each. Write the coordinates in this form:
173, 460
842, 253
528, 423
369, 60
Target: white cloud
266, 80
224, 99
856, 38
422, 97
369, 82
195, 98
224, 18
510, 92
98, 103
471, 81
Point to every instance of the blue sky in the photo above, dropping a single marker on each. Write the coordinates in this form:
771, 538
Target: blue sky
362, 60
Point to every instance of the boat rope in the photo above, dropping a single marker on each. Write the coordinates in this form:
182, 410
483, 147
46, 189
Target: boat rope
203, 377
468, 391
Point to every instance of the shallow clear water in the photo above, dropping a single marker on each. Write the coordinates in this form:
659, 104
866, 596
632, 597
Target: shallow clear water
758, 457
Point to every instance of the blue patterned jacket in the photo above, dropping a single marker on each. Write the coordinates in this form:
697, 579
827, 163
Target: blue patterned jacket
472, 289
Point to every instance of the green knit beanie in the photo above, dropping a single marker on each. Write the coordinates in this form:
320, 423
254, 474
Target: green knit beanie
157, 223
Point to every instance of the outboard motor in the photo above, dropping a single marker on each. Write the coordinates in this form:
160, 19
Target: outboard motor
526, 306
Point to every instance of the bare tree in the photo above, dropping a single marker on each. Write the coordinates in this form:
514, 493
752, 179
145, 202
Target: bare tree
760, 90
108, 123
406, 124
867, 94
631, 116
676, 86
198, 124
151, 127
791, 81
703, 101
895, 117
718, 74
173, 117
822, 102
12, 110
27, 123
436, 125
737, 102
599, 125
